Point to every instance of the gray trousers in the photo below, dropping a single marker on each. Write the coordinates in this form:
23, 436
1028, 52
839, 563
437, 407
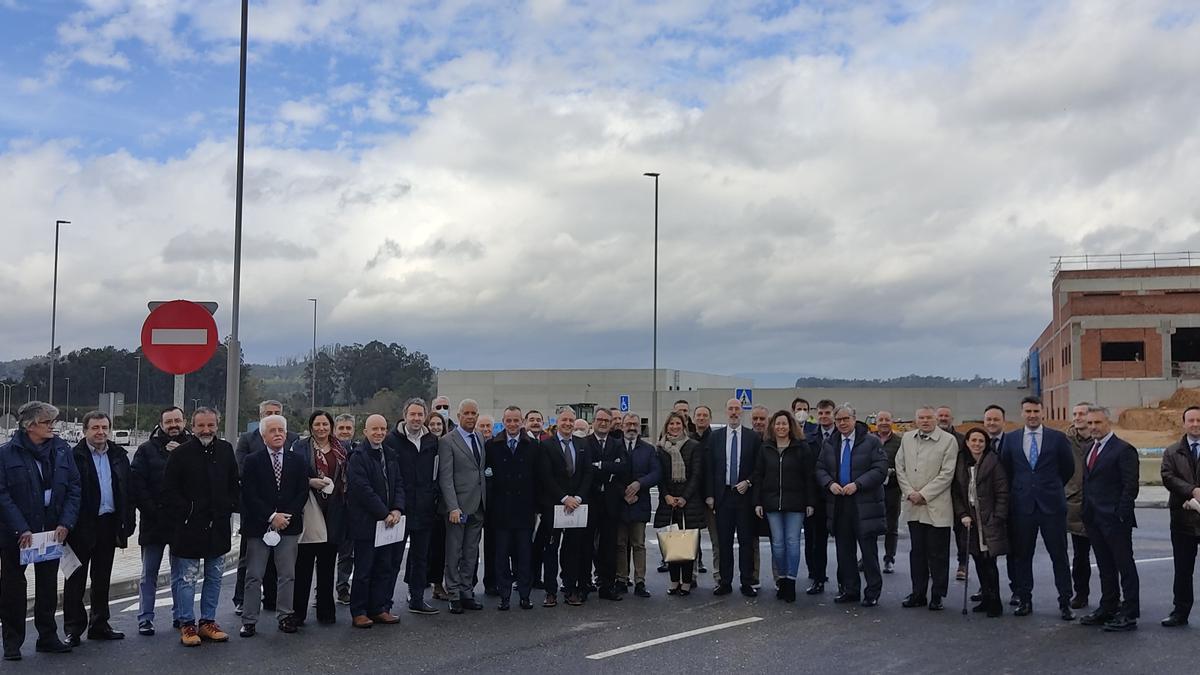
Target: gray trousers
285, 572
462, 556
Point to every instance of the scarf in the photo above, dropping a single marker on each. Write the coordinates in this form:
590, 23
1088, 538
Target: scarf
672, 448
328, 463
43, 454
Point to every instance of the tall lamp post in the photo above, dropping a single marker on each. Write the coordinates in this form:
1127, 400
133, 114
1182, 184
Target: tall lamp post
654, 366
67, 405
7, 400
233, 364
137, 393
103, 379
54, 308
314, 356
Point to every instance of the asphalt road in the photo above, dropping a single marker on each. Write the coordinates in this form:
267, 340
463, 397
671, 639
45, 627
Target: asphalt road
772, 636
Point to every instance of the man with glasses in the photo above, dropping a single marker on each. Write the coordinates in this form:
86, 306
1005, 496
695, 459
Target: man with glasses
610, 464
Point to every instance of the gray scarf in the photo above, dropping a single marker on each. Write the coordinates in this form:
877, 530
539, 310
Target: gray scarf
672, 448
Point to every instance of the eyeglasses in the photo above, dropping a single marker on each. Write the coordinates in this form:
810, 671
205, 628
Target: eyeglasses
842, 419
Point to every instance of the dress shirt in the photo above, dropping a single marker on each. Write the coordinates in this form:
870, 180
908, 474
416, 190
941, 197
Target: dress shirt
569, 442
1027, 437
104, 478
1103, 442
842, 445
731, 430
466, 436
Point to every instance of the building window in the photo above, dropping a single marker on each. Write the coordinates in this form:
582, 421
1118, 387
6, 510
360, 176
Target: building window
1122, 351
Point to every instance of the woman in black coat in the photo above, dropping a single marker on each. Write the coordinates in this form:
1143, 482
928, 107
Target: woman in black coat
326, 458
980, 493
783, 493
679, 496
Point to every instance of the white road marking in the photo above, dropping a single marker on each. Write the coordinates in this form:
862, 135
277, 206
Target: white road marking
178, 336
672, 638
1147, 560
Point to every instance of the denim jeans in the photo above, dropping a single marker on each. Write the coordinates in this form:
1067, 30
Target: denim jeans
786, 527
152, 555
185, 573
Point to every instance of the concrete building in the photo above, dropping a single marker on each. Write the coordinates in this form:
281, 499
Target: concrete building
1125, 332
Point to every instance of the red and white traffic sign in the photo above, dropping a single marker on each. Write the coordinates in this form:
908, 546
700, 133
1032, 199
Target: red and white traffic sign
179, 337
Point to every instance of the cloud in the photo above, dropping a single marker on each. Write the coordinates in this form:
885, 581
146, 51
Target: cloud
302, 113
106, 84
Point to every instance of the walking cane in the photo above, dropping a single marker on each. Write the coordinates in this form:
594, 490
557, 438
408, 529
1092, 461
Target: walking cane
967, 580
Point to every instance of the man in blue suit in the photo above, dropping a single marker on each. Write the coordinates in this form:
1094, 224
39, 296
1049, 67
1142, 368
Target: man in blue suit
734, 453
1039, 463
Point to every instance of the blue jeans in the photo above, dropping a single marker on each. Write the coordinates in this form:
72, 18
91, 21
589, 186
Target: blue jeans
786, 527
152, 555
185, 573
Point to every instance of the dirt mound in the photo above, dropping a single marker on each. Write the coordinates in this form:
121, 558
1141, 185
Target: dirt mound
1145, 419
1182, 399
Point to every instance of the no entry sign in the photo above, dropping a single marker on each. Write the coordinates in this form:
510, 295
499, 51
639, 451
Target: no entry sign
179, 337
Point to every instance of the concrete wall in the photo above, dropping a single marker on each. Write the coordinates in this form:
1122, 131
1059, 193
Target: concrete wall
1121, 394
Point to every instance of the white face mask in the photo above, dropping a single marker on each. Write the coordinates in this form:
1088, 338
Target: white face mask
579, 433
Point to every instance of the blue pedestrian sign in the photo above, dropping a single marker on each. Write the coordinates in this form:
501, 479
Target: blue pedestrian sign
623, 402
746, 396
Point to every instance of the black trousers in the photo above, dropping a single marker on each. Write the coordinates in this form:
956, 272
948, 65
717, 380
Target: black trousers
891, 502
1022, 545
848, 544
416, 566
1183, 548
436, 564
269, 580
1081, 564
13, 603
374, 580
324, 558
682, 572
98, 561
568, 549
816, 543
489, 556
960, 543
735, 515
928, 559
542, 537
989, 576
1113, 543
604, 554
513, 560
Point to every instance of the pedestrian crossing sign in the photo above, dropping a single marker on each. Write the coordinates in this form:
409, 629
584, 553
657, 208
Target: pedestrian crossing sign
746, 396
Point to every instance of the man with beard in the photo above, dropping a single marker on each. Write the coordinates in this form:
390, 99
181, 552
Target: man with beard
343, 429
202, 492
416, 451
891, 489
945, 422
610, 465
148, 490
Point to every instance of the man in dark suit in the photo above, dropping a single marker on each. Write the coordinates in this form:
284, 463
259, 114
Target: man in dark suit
512, 465
375, 492
734, 453
1039, 464
105, 523
416, 452
1110, 488
891, 489
247, 444
816, 528
566, 478
851, 471
1181, 478
275, 486
609, 464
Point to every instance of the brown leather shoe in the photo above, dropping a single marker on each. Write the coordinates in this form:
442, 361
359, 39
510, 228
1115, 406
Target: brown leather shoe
363, 622
188, 636
385, 618
210, 631
550, 601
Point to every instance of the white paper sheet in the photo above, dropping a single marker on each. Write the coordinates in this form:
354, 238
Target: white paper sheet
576, 518
385, 535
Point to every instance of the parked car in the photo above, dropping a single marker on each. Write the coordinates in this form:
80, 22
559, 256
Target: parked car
122, 437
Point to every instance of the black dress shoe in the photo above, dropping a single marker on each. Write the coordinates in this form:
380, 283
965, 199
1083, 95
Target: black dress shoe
456, 607
889, 567
1024, 609
870, 602
491, 592
640, 591
816, 588
1079, 602
1174, 621
55, 647
609, 594
663, 569
723, 589
1066, 613
976, 597
1096, 618
72, 640
12, 654
422, 608
503, 606
526, 603
248, 630
1120, 624
1014, 601
702, 569
843, 598
935, 604
471, 603
980, 608
749, 591
913, 601
106, 633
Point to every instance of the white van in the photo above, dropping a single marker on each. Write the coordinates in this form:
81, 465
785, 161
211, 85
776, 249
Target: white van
122, 437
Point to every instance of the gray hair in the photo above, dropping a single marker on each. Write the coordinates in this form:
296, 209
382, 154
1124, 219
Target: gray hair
763, 408
512, 408
930, 408
848, 408
1101, 410
262, 424
416, 400
1086, 404
344, 417
96, 415
262, 407
566, 408
211, 411
466, 401
35, 412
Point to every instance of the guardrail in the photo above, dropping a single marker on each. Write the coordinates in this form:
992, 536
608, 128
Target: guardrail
1124, 260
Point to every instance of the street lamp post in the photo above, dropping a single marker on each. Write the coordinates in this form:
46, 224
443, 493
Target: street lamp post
314, 355
7, 400
137, 393
233, 364
195, 404
54, 308
67, 405
103, 379
654, 367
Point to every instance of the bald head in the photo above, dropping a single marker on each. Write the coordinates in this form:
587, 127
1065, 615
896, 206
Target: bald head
733, 412
375, 430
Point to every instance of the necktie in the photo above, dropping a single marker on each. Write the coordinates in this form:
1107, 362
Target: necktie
845, 472
474, 446
569, 457
277, 464
733, 460
1092, 455
631, 447
512, 444
1196, 450
1033, 450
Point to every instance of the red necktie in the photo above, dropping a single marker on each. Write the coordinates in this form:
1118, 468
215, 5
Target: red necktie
1092, 456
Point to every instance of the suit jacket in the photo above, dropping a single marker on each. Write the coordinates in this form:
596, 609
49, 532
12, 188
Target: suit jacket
610, 468
371, 494
513, 487
460, 476
1110, 487
557, 482
927, 466
83, 537
891, 447
868, 469
1181, 476
644, 468
718, 473
261, 498
1040, 487
251, 441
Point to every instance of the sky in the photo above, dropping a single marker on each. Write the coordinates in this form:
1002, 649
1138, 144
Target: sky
848, 189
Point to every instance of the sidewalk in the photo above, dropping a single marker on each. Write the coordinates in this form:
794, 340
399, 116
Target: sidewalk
1152, 497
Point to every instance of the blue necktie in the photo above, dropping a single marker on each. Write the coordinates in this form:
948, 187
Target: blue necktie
1196, 450
733, 460
474, 447
845, 472
1033, 450
512, 445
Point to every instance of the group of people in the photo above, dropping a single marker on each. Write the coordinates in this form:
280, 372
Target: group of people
317, 510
